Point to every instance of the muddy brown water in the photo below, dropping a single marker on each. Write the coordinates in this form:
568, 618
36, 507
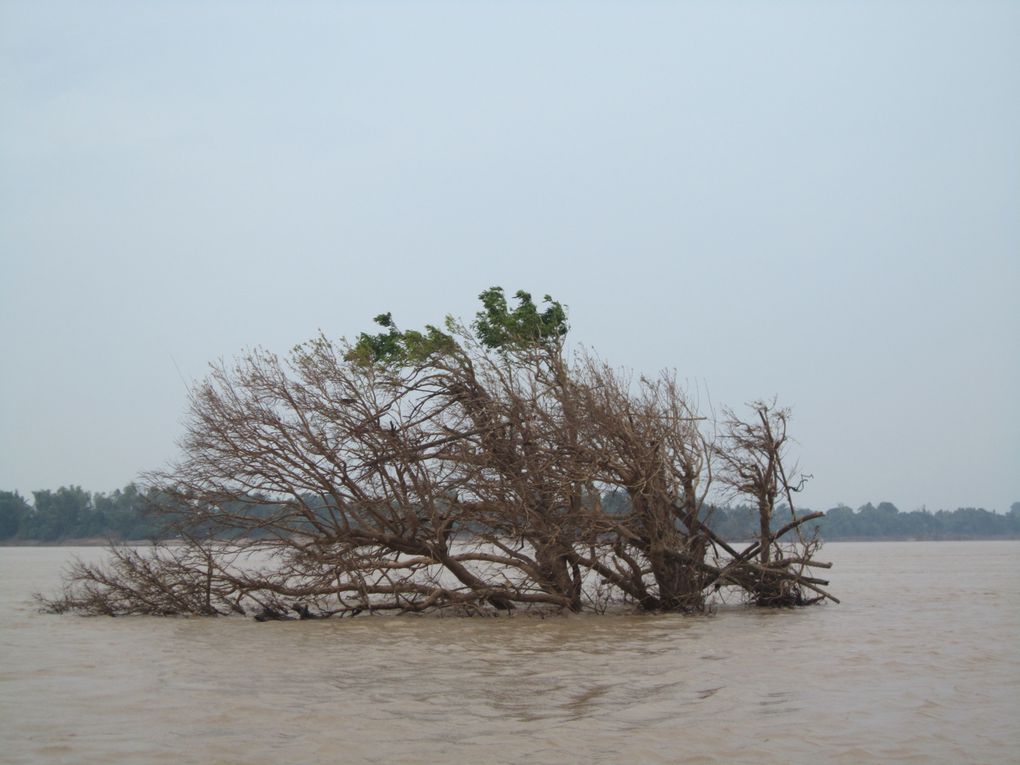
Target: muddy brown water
920, 664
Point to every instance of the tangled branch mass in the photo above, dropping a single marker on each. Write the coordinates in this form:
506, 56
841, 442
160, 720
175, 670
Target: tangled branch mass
469, 469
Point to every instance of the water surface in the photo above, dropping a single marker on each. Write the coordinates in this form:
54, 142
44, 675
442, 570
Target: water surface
918, 665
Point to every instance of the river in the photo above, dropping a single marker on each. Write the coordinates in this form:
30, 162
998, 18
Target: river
919, 664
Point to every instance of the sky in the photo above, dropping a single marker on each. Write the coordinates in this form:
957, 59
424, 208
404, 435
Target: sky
813, 201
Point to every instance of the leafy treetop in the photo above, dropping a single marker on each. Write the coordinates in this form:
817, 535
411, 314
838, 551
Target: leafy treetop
496, 326
501, 328
396, 347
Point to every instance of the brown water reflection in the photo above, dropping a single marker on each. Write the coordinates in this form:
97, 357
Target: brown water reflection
917, 665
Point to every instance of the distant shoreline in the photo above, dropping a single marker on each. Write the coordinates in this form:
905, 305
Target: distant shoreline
98, 542
89, 542
1007, 538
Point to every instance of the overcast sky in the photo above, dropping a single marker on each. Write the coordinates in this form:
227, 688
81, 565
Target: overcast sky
814, 200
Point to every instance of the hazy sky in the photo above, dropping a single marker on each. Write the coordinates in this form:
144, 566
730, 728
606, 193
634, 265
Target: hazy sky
815, 200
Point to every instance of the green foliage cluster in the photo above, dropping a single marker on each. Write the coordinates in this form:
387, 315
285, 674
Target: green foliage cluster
501, 328
70, 512
396, 347
497, 326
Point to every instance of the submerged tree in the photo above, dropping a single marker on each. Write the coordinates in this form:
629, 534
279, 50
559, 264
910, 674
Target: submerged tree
752, 456
460, 468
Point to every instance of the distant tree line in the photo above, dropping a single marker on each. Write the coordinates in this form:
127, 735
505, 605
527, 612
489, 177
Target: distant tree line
885, 521
70, 512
